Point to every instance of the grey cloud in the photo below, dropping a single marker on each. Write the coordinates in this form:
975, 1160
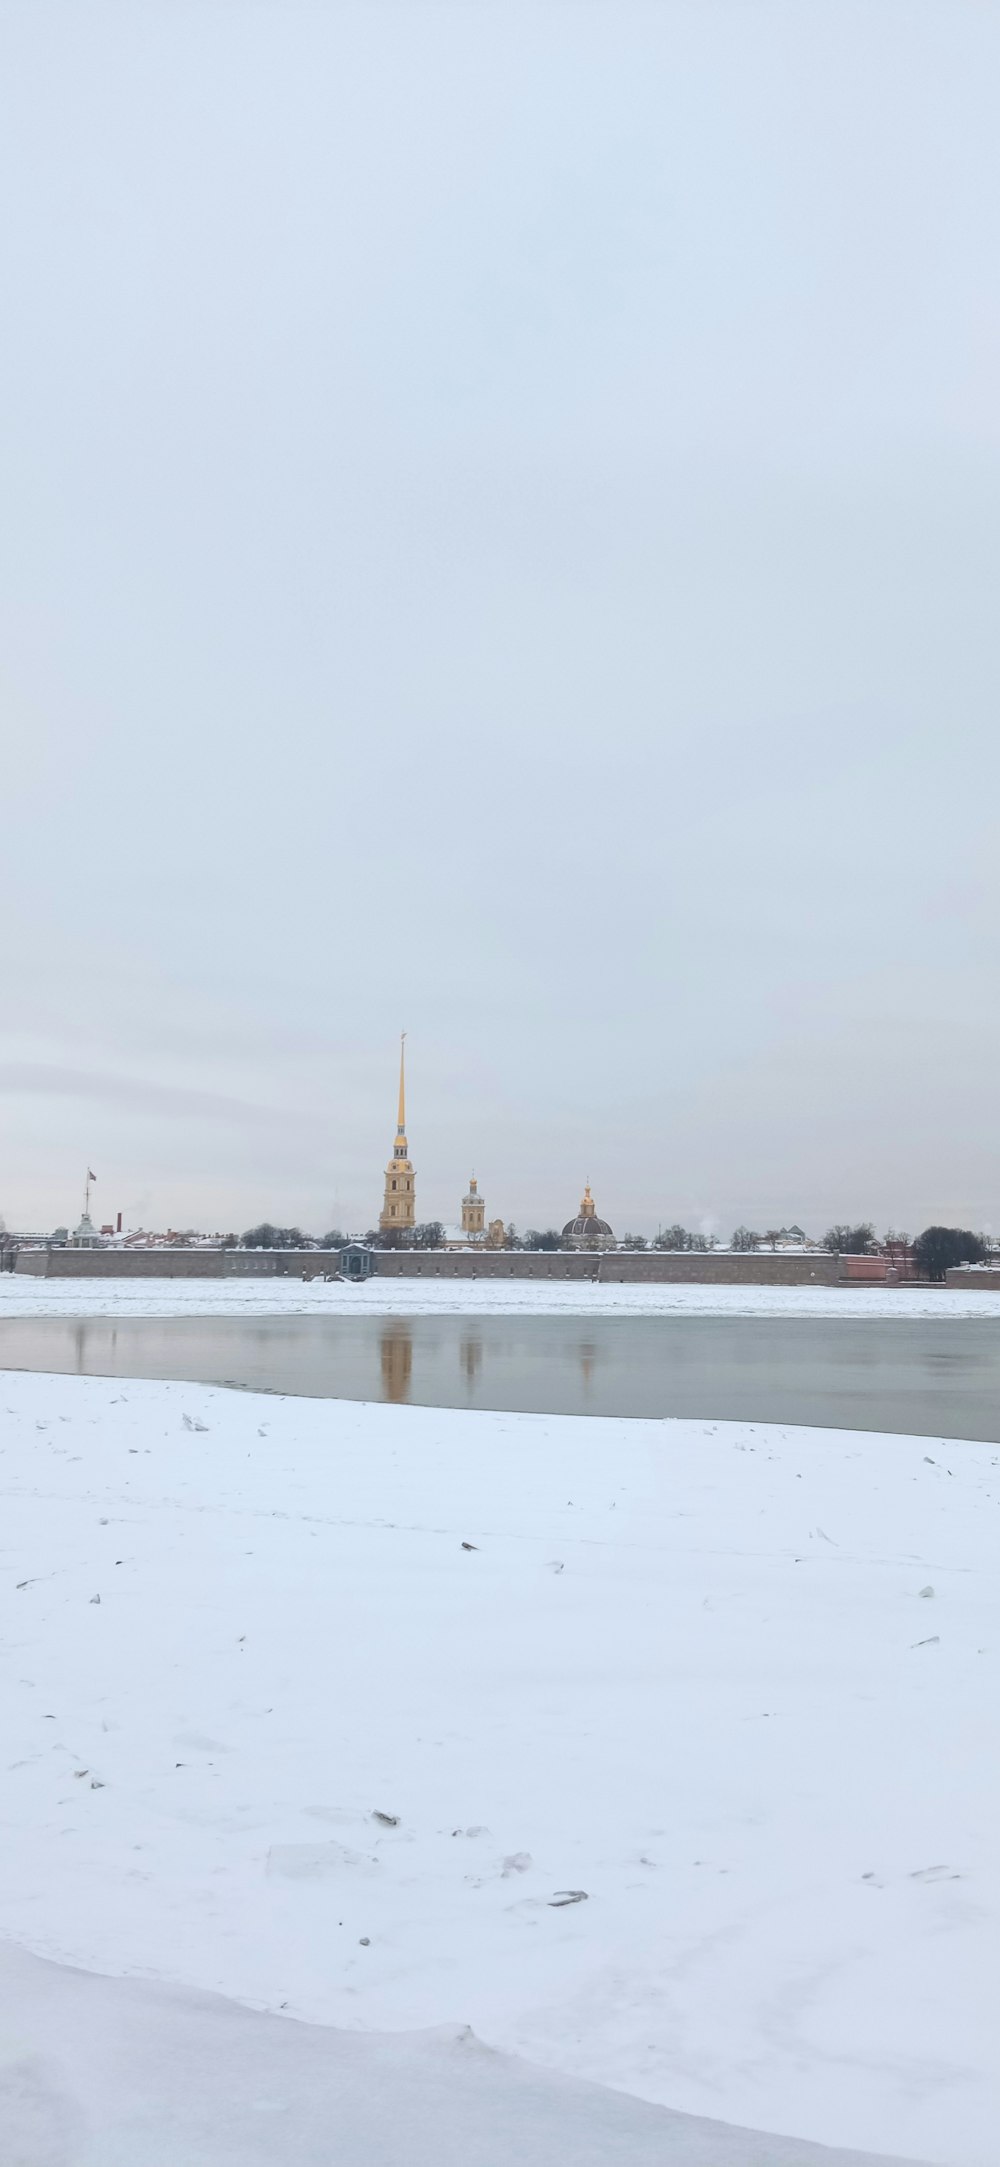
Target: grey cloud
161, 1101
501, 514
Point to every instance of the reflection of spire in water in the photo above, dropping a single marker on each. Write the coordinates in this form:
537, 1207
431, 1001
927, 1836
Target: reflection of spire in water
396, 1350
588, 1356
470, 1355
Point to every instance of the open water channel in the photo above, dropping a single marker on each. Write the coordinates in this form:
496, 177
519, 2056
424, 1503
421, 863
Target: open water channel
936, 1377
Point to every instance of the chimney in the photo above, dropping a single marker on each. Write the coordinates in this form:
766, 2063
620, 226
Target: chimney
119, 1227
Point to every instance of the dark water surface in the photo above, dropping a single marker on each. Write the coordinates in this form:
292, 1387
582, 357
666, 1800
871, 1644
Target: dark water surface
933, 1377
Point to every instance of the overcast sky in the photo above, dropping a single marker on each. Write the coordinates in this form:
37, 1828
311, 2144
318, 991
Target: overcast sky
500, 536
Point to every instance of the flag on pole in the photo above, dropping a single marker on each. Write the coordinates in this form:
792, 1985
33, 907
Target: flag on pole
90, 1176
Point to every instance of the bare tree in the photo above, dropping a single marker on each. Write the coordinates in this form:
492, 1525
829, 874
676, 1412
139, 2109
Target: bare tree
850, 1241
267, 1236
428, 1235
673, 1237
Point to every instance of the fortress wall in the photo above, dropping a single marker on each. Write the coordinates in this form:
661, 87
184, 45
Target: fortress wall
122, 1263
627, 1267
642, 1267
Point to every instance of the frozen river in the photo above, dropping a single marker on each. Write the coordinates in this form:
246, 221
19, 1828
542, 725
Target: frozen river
934, 1377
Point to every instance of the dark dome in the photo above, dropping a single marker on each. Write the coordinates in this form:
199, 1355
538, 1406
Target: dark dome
590, 1229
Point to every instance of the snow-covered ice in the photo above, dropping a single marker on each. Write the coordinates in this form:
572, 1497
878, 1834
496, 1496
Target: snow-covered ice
104, 2073
23, 1296
325, 1707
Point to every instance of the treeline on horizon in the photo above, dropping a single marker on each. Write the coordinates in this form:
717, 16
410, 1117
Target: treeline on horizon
934, 1252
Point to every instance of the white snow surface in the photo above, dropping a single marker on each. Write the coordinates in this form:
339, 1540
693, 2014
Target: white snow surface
309, 1752
23, 1295
101, 2072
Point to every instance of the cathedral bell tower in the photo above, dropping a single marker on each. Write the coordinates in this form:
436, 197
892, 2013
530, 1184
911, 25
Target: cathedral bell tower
398, 1213
473, 1211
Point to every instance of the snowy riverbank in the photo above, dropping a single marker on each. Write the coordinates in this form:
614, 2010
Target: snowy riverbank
691, 1670
154, 2076
22, 1295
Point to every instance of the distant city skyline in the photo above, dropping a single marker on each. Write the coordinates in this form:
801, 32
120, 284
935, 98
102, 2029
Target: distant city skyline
447, 1208
501, 515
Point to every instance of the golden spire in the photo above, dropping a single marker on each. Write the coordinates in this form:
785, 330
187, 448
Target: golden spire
399, 1204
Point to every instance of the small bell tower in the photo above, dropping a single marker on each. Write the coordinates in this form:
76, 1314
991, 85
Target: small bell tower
473, 1212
